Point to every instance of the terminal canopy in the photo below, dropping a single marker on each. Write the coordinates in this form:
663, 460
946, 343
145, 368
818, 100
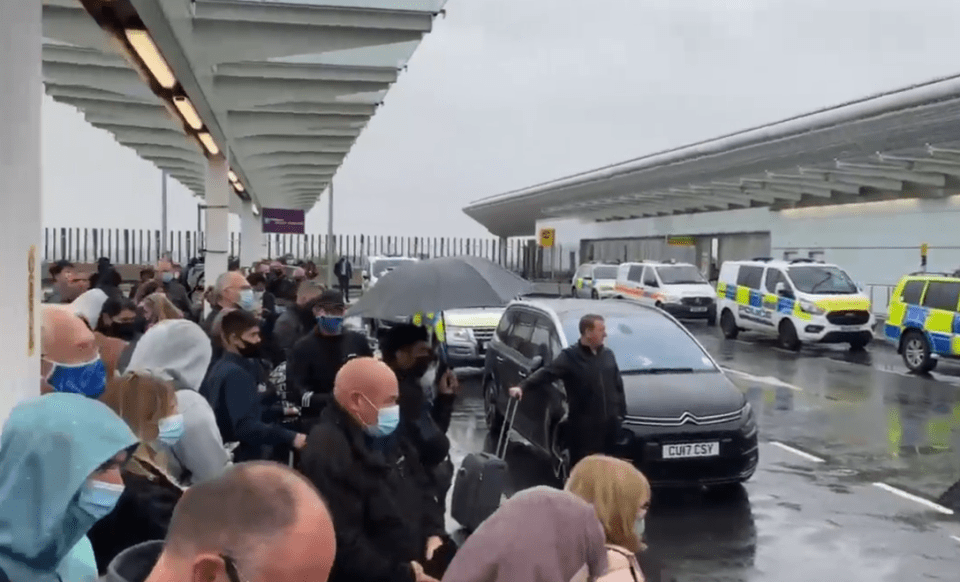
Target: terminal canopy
905, 143
282, 88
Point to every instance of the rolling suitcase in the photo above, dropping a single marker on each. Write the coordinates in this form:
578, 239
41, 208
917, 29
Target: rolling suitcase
482, 481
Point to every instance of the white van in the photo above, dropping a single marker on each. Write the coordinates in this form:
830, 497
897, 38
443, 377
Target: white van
594, 281
377, 267
797, 301
677, 288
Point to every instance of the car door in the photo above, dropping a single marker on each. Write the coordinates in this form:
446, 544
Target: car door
514, 367
943, 329
651, 286
634, 282
750, 314
777, 305
535, 407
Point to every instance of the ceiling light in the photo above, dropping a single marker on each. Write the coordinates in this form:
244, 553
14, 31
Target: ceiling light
232, 176
207, 140
150, 55
256, 211
239, 187
188, 112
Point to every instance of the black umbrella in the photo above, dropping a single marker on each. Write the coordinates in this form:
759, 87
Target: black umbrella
436, 285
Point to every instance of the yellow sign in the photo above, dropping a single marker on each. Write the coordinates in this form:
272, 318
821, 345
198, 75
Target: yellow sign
31, 289
547, 236
923, 249
681, 241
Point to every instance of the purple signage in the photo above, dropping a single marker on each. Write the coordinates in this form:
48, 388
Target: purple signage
282, 220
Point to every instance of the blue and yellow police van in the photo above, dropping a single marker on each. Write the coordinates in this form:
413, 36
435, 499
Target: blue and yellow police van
924, 319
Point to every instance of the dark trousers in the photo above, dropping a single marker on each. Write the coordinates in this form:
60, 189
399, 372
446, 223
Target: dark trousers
344, 287
587, 438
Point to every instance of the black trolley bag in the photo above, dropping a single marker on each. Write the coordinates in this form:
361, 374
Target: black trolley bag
483, 479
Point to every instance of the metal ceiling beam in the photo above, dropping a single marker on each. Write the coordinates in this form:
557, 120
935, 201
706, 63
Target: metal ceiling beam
821, 182
858, 179
890, 173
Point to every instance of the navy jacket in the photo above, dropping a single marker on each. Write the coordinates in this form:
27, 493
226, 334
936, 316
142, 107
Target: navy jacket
232, 387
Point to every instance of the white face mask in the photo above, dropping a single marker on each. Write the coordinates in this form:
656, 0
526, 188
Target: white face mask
639, 526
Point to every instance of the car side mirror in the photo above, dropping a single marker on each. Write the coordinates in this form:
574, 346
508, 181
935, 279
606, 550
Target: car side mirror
365, 275
652, 284
782, 290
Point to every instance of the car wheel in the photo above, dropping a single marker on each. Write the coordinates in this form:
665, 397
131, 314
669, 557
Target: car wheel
594, 294
788, 336
729, 325
916, 353
493, 416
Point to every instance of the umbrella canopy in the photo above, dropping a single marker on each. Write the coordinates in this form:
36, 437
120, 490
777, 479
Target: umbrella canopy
436, 285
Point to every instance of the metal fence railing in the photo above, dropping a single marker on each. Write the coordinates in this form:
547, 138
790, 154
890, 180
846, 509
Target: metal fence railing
140, 247
879, 294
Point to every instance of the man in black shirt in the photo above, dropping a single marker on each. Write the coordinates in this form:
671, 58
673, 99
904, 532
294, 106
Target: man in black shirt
594, 389
314, 361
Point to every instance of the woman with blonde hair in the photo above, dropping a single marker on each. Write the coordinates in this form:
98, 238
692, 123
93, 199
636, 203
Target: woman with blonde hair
157, 307
149, 407
620, 495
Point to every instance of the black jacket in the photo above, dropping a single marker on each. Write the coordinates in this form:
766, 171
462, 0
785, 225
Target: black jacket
425, 423
177, 294
142, 514
313, 364
290, 327
592, 381
232, 387
379, 496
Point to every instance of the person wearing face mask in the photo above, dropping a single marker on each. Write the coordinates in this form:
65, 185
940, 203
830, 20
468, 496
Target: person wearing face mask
296, 320
389, 523
69, 356
406, 349
89, 307
60, 459
232, 387
316, 358
149, 407
232, 291
118, 319
175, 291
620, 495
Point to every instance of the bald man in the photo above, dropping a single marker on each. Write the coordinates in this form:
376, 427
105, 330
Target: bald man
232, 291
69, 359
389, 521
258, 522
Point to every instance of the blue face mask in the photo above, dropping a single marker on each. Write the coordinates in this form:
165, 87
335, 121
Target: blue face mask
171, 429
89, 379
98, 498
167, 277
247, 300
388, 419
331, 324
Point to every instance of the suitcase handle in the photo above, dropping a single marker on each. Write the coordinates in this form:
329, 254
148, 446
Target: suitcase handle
511, 413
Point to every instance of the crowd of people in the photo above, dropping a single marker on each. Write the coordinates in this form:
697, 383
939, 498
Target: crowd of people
263, 440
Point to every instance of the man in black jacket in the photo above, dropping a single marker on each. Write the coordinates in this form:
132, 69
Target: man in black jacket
233, 388
314, 361
296, 320
388, 520
424, 419
594, 389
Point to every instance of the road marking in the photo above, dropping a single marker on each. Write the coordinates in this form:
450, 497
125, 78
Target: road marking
797, 452
955, 538
770, 380
914, 498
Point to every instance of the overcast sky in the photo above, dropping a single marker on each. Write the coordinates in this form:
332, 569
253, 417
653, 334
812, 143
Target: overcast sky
507, 93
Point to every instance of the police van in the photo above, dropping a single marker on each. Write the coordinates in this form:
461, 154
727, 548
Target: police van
799, 301
594, 281
924, 319
677, 288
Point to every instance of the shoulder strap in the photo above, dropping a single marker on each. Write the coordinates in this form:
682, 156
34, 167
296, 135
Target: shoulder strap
630, 560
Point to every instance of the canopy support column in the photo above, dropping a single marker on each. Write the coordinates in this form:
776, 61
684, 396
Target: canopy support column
217, 192
331, 260
20, 224
252, 247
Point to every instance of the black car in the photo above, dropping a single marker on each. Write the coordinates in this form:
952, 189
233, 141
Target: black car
686, 423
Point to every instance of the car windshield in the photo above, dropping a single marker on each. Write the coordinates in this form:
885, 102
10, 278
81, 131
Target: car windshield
822, 279
382, 266
680, 275
605, 272
649, 344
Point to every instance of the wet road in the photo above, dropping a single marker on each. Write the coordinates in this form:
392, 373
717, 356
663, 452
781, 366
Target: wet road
854, 452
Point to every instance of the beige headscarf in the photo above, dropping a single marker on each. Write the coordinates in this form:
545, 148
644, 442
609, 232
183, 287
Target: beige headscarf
538, 535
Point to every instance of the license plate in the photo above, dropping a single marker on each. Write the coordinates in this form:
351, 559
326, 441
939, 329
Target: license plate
690, 450
698, 309
850, 328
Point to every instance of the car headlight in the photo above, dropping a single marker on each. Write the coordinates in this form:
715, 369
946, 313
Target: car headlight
749, 427
811, 308
670, 299
458, 334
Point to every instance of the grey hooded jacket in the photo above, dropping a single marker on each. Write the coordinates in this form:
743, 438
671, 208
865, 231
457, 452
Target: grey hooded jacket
178, 350
134, 564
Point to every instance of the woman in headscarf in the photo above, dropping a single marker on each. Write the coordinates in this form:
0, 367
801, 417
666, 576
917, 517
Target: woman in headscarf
149, 407
620, 494
60, 459
89, 307
179, 351
538, 535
